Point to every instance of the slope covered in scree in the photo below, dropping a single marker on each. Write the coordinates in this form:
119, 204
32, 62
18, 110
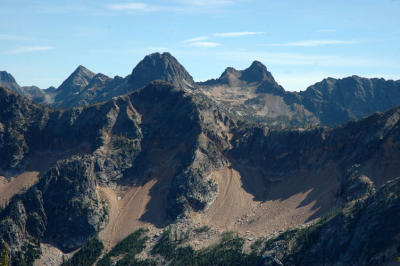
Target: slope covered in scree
165, 155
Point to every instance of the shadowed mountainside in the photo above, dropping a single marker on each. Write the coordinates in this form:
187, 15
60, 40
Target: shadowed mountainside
184, 145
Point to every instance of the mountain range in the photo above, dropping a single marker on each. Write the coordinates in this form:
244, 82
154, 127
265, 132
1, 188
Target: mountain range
230, 171
252, 93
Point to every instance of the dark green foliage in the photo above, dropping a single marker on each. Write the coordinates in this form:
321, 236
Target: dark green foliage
202, 229
29, 253
305, 238
129, 248
257, 245
227, 252
87, 255
165, 246
125, 144
4, 257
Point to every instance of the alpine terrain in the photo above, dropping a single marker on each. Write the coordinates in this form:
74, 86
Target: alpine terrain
157, 169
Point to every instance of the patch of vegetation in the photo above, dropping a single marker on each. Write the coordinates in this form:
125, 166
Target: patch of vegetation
298, 241
228, 252
87, 255
285, 236
165, 246
124, 143
28, 254
258, 245
305, 238
4, 257
202, 229
128, 248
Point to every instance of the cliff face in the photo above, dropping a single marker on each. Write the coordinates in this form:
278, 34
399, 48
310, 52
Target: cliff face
364, 232
115, 143
253, 94
181, 140
62, 209
350, 98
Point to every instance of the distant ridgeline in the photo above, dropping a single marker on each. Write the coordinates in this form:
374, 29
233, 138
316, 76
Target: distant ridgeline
252, 93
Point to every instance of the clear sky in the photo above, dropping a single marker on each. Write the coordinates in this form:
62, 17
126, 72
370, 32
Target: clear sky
300, 41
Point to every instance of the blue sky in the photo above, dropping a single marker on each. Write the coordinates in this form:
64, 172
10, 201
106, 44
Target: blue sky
300, 42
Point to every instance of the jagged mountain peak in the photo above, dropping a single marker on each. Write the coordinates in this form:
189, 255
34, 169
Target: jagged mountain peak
100, 78
74, 84
82, 71
6, 77
78, 79
229, 71
165, 55
256, 72
158, 66
257, 65
8, 81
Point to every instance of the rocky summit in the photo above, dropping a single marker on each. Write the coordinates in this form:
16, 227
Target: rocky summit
252, 93
84, 87
157, 169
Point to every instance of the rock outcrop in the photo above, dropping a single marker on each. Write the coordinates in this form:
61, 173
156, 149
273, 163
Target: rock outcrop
163, 67
31, 92
365, 232
182, 136
254, 95
157, 132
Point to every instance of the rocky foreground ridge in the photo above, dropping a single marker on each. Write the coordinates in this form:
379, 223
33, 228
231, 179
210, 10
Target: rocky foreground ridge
183, 140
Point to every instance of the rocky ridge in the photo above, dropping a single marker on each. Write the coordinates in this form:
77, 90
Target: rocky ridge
251, 93
193, 148
31, 92
111, 144
84, 87
176, 135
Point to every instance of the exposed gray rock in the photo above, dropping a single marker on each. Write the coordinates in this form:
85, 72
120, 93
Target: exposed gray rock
364, 233
355, 185
179, 137
336, 101
8, 81
160, 67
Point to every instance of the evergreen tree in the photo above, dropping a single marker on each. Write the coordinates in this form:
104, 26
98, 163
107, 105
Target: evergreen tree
4, 260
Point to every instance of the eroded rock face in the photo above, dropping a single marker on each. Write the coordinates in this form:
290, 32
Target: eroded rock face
8, 81
355, 185
177, 137
115, 143
73, 85
180, 129
160, 67
72, 206
62, 209
365, 232
253, 94
336, 101
18, 118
